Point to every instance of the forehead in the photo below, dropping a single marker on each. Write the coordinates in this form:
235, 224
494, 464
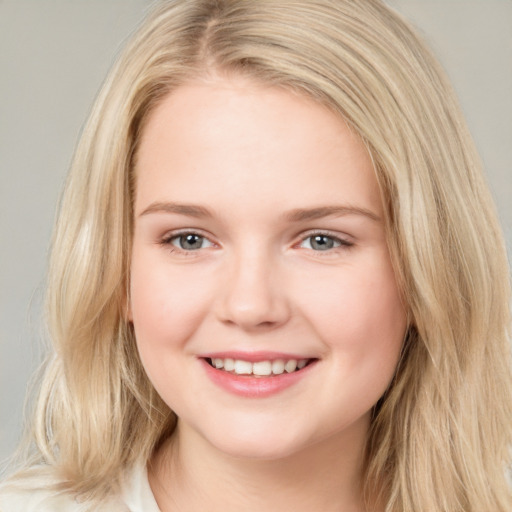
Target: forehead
234, 138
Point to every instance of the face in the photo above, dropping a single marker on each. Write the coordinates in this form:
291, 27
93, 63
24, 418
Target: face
263, 299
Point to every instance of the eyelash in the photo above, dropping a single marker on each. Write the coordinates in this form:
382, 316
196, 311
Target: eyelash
168, 239
340, 243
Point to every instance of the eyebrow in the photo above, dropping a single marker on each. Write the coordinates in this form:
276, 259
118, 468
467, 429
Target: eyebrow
302, 214
191, 210
295, 215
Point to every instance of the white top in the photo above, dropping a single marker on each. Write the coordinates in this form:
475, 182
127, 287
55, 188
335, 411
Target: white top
136, 496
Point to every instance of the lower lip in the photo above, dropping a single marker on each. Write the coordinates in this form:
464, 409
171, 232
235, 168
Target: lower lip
254, 387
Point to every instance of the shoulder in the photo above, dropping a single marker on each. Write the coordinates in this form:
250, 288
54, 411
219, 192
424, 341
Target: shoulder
32, 500
36, 493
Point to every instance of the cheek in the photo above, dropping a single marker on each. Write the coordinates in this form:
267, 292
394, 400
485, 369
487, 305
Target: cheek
165, 303
361, 321
359, 315
166, 307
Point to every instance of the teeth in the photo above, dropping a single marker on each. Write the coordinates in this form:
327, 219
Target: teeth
290, 366
260, 368
278, 367
243, 367
229, 365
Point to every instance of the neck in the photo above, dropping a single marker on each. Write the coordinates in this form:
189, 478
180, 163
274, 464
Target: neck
189, 474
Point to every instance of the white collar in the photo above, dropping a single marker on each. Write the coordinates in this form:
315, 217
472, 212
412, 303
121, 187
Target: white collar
136, 492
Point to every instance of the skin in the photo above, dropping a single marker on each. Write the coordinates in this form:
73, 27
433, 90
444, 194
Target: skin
250, 154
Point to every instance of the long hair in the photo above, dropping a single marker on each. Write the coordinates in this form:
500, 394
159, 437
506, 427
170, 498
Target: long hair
440, 436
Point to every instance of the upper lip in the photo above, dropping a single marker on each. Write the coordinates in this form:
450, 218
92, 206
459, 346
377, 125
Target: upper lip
254, 357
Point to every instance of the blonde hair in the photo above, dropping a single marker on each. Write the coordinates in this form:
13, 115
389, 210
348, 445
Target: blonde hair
440, 437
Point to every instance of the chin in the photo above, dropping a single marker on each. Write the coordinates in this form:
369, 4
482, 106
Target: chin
257, 451
258, 443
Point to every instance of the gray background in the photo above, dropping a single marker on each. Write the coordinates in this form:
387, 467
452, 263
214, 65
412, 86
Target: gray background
54, 55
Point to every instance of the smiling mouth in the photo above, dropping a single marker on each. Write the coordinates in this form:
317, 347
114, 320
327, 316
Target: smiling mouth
260, 368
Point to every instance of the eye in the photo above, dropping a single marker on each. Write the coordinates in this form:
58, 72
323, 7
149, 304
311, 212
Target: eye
188, 241
323, 242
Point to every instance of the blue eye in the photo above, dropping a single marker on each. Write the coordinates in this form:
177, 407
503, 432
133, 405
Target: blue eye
323, 242
189, 242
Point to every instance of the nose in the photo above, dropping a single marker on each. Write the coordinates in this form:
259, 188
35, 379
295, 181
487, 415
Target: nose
254, 295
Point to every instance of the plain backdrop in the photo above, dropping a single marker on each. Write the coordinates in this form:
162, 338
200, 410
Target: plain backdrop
54, 55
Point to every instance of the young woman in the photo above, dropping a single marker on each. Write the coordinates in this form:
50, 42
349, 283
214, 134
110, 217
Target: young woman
277, 280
